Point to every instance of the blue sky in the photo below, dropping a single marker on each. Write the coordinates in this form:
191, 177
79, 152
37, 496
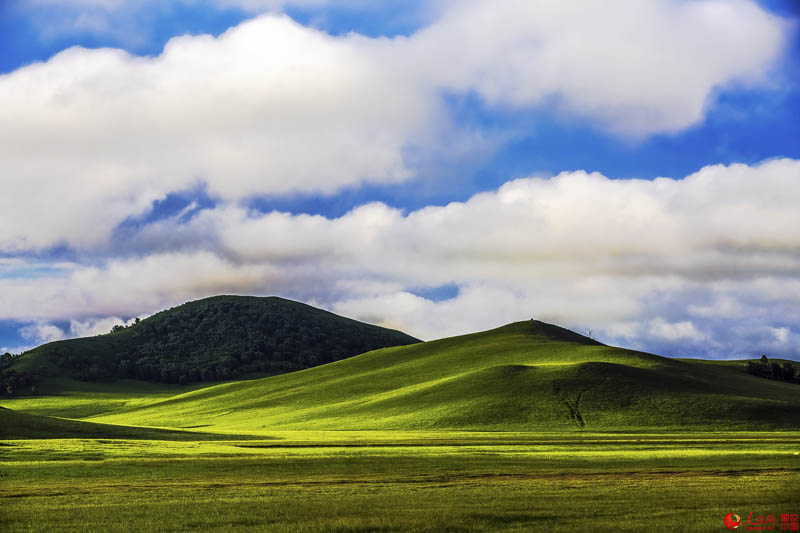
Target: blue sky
397, 162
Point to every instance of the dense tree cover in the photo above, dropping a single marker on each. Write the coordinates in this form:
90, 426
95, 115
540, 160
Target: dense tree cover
216, 339
13, 381
774, 370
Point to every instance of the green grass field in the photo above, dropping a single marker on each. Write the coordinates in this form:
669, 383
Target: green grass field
524, 428
396, 481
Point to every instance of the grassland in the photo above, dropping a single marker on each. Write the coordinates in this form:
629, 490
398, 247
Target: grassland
525, 428
399, 481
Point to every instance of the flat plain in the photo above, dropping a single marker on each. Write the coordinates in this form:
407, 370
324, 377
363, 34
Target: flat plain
399, 481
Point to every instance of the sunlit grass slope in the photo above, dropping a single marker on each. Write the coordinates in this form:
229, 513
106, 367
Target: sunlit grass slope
68, 398
14, 425
523, 376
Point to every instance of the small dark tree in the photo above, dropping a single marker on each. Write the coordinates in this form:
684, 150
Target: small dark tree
788, 371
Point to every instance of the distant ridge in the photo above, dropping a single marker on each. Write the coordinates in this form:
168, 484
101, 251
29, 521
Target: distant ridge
213, 339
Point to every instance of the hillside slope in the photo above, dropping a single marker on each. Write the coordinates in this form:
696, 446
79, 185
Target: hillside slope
524, 376
213, 339
16, 425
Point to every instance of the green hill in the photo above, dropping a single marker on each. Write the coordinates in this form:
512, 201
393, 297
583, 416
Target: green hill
213, 339
524, 376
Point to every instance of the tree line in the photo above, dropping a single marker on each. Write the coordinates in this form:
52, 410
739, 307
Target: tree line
773, 370
13, 381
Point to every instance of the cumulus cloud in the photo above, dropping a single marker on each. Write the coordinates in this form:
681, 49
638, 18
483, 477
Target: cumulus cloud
271, 106
96, 326
675, 331
723, 222
43, 332
636, 67
704, 264
268, 107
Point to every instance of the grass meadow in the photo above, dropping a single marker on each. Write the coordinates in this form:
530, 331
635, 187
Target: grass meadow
399, 481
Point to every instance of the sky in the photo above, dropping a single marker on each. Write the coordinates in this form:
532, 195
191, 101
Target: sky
441, 167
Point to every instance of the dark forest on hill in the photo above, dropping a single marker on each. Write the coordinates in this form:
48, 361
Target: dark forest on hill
214, 339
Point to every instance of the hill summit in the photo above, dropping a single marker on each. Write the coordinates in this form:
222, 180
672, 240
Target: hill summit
544, 331
217, 338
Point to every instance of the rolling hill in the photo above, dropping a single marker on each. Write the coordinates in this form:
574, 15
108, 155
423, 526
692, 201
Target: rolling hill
213, 339
520, 377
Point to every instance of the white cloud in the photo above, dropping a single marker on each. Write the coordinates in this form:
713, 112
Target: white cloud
636, 67
675, 331
41, 333
781, 334
137, 25
17, 349
722, 222
95, 326
271, 106
268, 107
130, 286
647, 263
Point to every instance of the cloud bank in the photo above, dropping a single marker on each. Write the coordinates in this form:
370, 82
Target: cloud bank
709, 262
274, 107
